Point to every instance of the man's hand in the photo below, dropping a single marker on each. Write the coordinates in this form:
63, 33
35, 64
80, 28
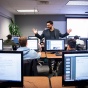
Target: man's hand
35, 31
69, 30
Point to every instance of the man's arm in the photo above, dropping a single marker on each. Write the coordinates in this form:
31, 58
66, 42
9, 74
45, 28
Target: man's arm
63, 35
66, 34
34, 54
37, 35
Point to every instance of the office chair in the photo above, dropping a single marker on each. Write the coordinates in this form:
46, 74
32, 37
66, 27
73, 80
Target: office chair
30, 67
80, 47
7, 48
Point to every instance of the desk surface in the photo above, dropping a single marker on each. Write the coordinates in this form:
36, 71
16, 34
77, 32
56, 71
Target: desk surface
56, 82
36, 82
43, 55
49, 55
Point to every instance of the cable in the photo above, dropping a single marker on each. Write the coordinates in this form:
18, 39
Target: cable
30, 83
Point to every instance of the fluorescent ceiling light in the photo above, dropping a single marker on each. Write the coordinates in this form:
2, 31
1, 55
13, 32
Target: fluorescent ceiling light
28, 10
77, 3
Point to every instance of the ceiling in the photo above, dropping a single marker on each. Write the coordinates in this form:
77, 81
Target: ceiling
52, 7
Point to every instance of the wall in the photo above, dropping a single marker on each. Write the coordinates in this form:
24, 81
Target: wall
4, 22
27, 22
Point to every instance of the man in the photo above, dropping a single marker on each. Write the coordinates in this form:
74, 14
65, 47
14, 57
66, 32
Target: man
9, 41
51, 32
71, 46
27, 53
29, 57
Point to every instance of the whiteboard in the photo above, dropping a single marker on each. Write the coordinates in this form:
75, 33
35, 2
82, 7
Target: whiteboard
79, 26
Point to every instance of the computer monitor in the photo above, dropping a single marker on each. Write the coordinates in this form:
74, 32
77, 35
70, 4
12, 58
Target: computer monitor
52, 45
15, 40
32, 44
1, 44
32, 37
11, 69
70, 37
75, 68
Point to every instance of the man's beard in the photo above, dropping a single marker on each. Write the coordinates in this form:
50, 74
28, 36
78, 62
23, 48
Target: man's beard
50, 28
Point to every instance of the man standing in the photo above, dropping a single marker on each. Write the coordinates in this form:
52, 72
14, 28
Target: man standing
50, 33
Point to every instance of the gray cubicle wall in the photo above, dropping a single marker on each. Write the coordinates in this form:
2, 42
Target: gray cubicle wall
27, 22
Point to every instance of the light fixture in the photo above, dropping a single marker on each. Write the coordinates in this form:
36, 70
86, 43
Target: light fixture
34, 10
77, 3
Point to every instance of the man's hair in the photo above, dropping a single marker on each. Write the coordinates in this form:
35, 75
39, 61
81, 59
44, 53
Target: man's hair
9, 36
72, 43
23, 41
51, 22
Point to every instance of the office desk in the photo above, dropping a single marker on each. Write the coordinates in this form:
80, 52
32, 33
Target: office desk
43, 55
48, 55
51, 56
36, 82
56, 82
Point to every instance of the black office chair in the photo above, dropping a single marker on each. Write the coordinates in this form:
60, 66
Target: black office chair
79, 47
30, 67
27, 67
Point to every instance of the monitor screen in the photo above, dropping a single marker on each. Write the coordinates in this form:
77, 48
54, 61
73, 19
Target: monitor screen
15, 39
75, 68
11, 68
32, 37
54, 45
70, 37
1, 44
32, 44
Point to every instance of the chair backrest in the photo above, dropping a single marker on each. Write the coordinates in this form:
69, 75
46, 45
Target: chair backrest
79, 47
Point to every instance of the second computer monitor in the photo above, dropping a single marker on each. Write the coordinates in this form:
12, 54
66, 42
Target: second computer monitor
32, 37
54, 45
32, 44
15, 39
